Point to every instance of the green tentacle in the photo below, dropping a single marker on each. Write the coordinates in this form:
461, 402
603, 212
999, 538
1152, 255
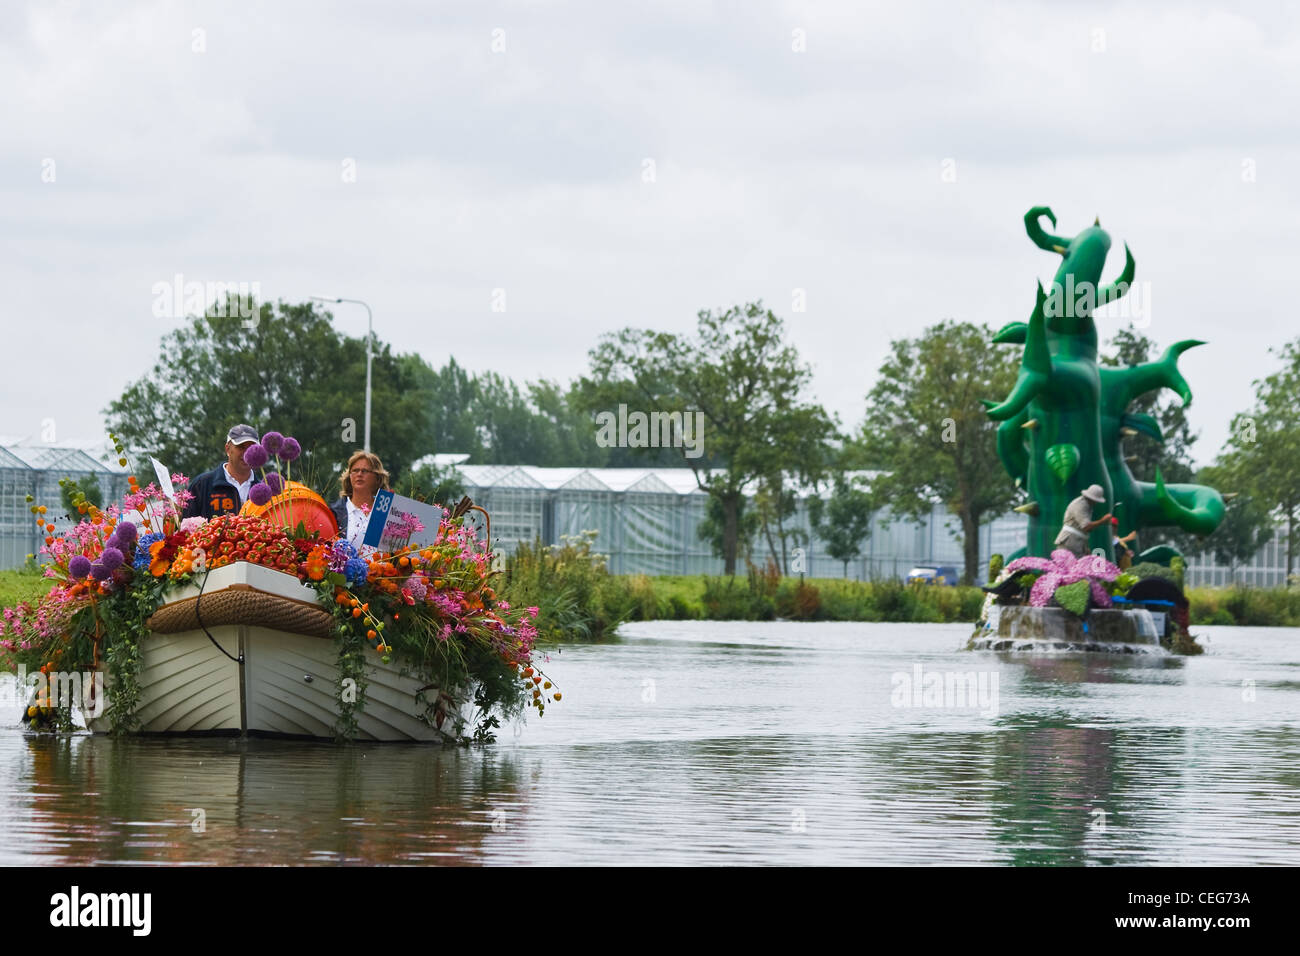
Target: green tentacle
1114, 290
1162, 373
1141, 422
1011, 447
1013, 333
1035, 367
1194, 508
1041, 238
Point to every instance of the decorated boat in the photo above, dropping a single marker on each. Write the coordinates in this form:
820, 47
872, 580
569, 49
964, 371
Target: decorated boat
249, 650
268, 623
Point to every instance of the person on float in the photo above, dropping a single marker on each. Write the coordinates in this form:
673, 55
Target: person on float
1078, 521
1123, 551
362, 478
224, 489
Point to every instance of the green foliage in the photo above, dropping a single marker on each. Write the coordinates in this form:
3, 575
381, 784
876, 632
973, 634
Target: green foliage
776, 503
293, 371
1262, 454
996, 563
443, 486
798, 601
748, 383
1245, 606
570, 585
731, 599
73, 493
844, 521
1148, 569
925, 426
1073, 597
1247, 524
350, 691
124, 616
712, 528
1122, 583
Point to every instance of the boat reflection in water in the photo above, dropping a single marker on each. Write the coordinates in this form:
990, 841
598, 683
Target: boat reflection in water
94, 799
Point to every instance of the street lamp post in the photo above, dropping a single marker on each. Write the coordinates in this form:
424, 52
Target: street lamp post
370, 332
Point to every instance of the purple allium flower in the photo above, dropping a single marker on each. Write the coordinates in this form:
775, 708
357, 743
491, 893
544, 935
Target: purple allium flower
79, 566
260, 494
275, 483
98, 571
255, 456
272, 442
112, 559
290, 450
126, 532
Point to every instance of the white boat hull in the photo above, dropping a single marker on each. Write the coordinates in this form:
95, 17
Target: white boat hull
286, 686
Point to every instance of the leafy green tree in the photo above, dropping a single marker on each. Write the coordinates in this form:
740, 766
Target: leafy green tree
428, 482
844, 520
290, 371
748, 384
454, 407
1247, 524
926, 428
712, 528
776, 503
1263, 449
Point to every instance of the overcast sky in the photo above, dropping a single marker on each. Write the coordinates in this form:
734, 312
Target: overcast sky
615, 164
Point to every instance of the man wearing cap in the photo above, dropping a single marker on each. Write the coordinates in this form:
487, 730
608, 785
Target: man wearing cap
224, 489
1078, 521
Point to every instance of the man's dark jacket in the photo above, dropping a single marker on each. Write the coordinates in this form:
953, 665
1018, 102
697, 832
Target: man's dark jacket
213, 495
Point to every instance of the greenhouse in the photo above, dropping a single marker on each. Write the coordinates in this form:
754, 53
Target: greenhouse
35, 469
647, 521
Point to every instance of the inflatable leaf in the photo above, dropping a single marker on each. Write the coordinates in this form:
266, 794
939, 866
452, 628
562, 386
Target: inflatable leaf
1063, 460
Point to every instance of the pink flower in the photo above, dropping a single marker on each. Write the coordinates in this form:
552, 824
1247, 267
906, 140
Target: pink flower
1030, 563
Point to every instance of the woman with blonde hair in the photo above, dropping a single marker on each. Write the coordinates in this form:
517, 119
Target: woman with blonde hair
363, 476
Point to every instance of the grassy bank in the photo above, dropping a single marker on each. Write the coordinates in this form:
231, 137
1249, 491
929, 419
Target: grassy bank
1251, 607
759, 598
579, 599
19, 586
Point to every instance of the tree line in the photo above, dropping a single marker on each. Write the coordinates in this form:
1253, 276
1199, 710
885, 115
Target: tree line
923, 437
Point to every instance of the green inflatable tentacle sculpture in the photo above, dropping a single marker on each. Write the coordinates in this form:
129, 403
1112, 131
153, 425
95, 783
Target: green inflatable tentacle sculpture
1062, 427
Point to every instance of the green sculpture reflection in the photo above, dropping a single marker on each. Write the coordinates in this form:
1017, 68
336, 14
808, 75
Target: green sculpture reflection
1064, 422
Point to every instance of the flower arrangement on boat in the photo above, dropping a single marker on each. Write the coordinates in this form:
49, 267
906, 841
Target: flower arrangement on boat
431, 607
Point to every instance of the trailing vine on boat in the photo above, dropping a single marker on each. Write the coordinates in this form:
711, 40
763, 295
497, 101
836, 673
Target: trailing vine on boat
351, 690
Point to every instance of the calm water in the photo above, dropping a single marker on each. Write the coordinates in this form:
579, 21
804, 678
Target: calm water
695, 742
